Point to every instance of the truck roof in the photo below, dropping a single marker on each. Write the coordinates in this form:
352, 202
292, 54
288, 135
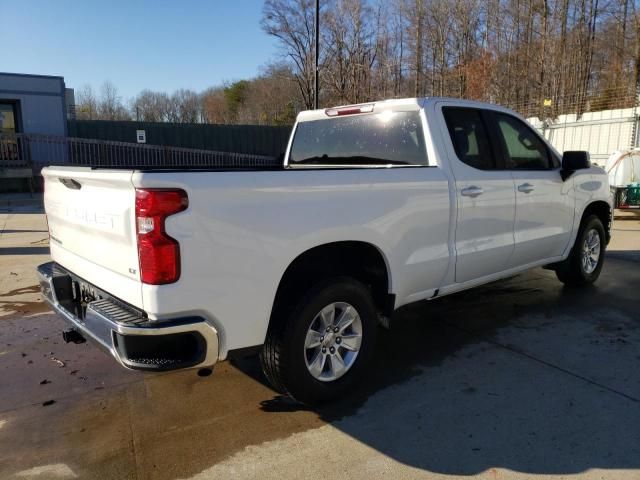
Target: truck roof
396, 104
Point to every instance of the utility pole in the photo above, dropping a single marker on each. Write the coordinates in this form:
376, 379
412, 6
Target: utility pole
317, 45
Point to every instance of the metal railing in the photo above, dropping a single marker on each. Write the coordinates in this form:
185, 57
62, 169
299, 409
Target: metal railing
38, 151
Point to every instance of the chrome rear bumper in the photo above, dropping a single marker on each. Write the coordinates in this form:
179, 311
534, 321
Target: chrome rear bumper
134, 340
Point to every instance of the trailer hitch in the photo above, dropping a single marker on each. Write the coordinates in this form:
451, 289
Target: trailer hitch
73, 336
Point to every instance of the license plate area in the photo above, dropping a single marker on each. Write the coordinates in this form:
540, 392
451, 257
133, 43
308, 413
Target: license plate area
83, 294
74, 295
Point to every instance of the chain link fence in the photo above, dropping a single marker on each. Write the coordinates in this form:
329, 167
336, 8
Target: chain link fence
600, 123
577, 104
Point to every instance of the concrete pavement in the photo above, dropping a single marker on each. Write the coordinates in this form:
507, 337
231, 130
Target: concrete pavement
519, 379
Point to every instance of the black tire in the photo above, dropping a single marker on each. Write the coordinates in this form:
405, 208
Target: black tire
283, 354
572, 271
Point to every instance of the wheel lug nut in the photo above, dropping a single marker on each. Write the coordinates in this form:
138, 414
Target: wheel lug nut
332, 350
322, 339
338, 340
324, 349
335, 330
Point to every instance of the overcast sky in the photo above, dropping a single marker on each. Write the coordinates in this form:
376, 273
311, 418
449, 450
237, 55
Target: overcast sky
161, 45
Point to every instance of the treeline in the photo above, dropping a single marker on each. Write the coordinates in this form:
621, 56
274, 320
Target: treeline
576, 54
268, 99
540, 57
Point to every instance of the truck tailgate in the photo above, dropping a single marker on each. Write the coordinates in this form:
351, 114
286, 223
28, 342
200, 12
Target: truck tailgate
91, 216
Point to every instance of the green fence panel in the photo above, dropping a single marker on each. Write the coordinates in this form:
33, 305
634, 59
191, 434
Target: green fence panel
251, 139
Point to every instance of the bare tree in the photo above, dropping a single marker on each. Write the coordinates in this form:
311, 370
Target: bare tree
110, 106
86, 103
292, 22
149, 106
214, 106
187, 104
351, 51
271, 98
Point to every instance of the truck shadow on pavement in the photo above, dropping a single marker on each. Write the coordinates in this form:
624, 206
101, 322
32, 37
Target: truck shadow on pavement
523, 374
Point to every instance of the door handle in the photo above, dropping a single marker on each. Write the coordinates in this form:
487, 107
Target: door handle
472, 191
526, 188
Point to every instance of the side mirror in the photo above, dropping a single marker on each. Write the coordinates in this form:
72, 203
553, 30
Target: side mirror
574, 160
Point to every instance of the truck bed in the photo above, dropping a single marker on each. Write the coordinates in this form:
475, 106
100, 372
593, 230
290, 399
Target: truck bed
243, 228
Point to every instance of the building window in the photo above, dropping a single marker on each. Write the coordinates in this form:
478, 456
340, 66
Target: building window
9, 149
8, 117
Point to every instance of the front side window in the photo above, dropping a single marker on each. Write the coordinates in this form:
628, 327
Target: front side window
469, 137
388, 138
524, 149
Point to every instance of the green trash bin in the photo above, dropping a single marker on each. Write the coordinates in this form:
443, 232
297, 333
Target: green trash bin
633, 194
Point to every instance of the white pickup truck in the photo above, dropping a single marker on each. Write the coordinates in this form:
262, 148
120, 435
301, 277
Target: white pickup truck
376, 206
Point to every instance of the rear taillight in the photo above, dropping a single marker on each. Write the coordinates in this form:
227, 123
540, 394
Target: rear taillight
158, 253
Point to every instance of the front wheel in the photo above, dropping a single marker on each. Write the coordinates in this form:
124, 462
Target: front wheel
584, 263
325, 345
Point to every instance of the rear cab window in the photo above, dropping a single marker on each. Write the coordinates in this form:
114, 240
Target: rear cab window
378, 139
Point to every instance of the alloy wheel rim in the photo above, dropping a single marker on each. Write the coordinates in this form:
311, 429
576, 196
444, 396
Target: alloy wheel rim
591, 251
333, 341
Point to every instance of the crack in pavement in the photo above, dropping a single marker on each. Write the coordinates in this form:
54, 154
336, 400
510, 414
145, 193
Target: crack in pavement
134, 452
4, 225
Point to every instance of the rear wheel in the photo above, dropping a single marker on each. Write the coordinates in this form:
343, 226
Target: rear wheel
325, 345
584, 263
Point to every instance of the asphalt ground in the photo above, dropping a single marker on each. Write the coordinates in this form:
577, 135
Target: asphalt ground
522, 378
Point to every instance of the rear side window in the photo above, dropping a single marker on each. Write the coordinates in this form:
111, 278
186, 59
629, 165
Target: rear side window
394, 138
524, 149
469, 137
